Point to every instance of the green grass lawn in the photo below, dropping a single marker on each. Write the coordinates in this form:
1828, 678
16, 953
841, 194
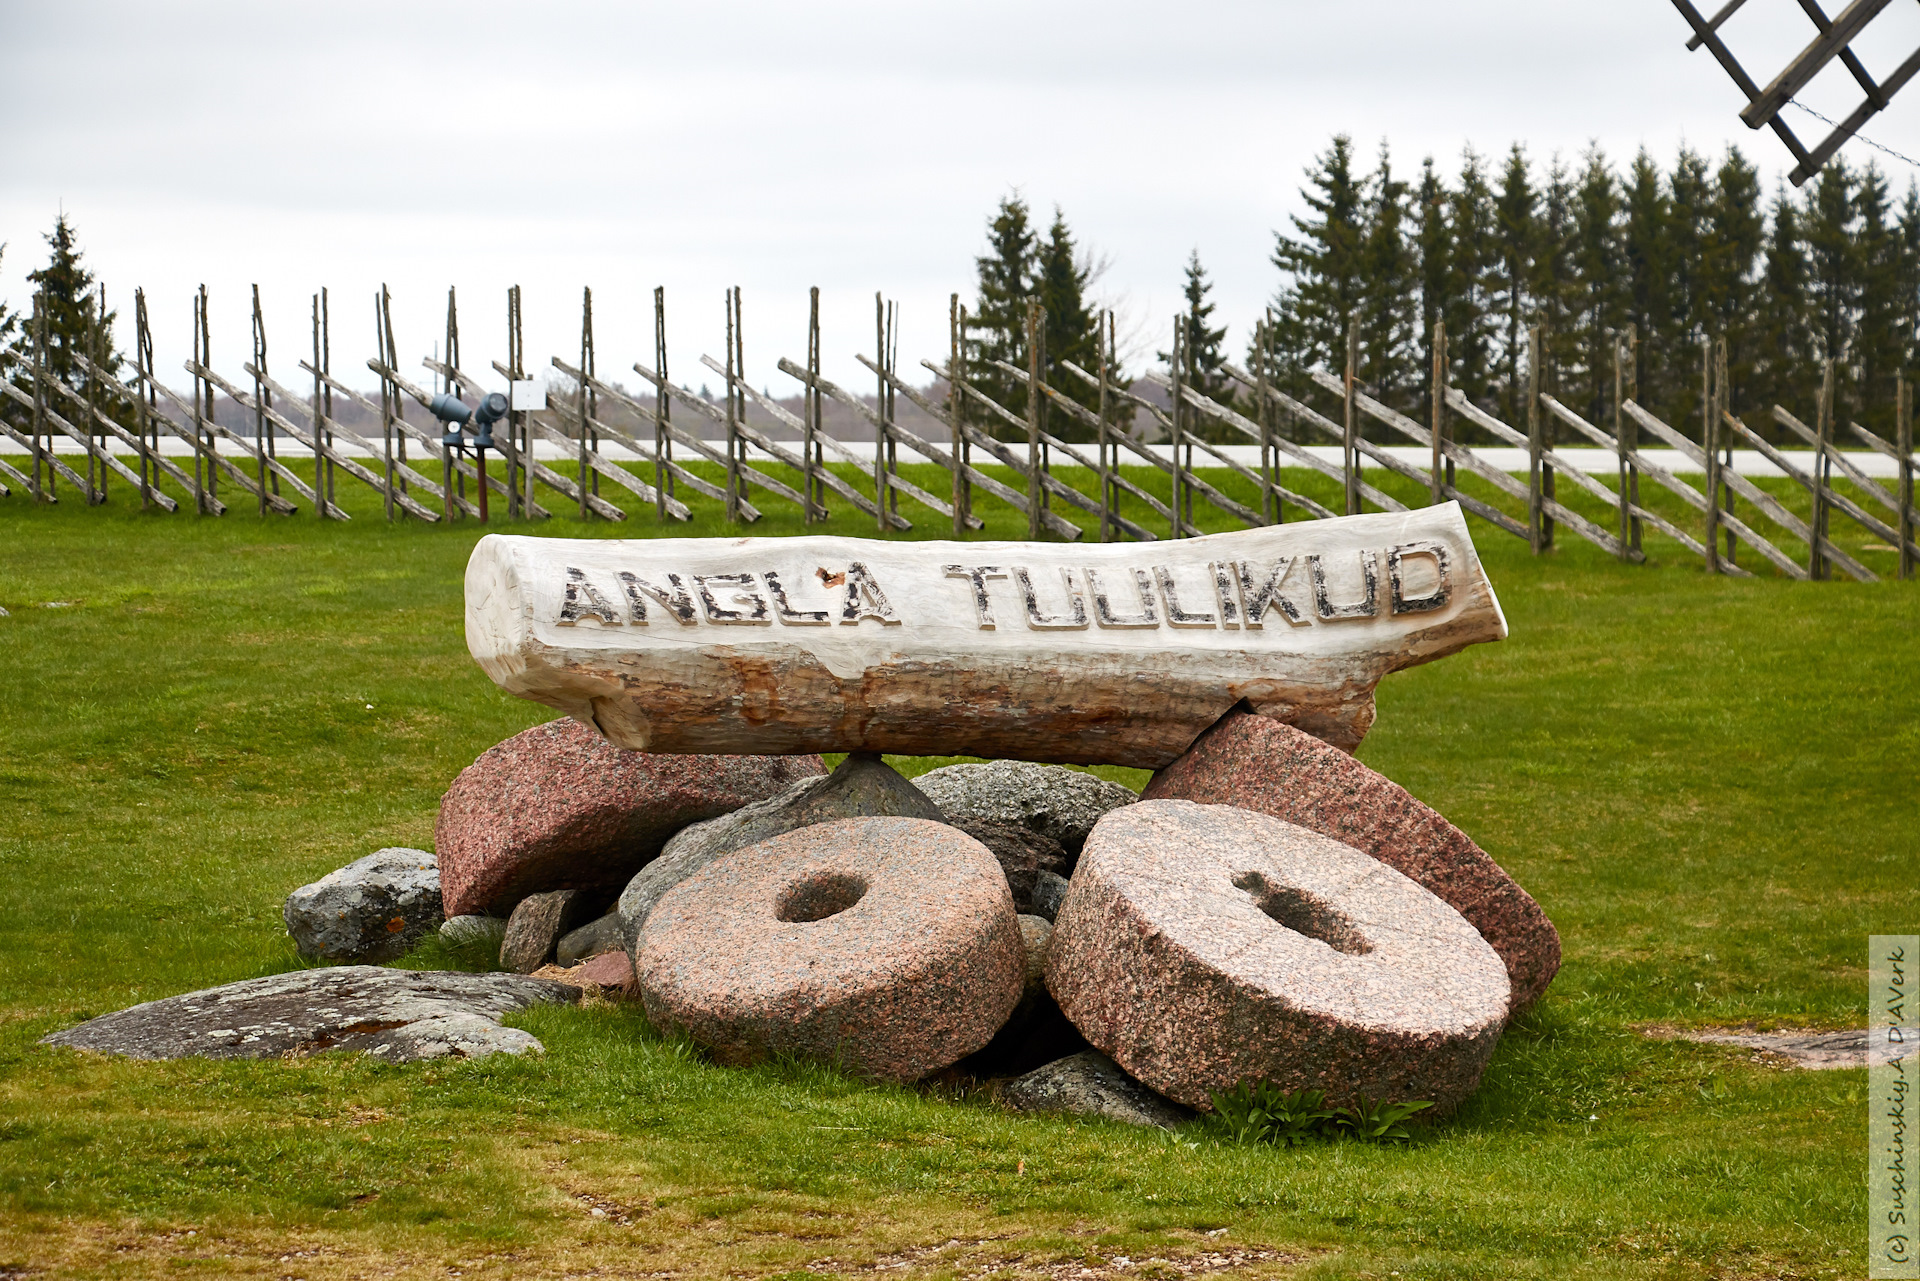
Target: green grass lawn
1708, 783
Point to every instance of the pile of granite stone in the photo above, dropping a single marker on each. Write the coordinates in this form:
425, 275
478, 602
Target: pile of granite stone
1269, 909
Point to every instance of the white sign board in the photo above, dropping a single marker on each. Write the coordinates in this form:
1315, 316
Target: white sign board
1120, 653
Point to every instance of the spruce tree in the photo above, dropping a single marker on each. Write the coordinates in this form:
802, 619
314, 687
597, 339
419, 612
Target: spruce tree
1468, 305
1324, 269
1597, 294
1784, 344
1882, 340
1552, 288
1649, 275
1434, 243
997, 329
1516, 241
1735, 233
1389, 311
1071, 330
73, 320
1204, 348
1829, 225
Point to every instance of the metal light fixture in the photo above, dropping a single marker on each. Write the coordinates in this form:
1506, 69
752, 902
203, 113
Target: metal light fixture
455, 413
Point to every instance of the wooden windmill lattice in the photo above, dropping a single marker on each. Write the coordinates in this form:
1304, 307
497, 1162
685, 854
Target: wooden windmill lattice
1833, 39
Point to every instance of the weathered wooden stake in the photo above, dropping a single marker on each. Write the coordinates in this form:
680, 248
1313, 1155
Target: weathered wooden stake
811, 459
1709, 448
1109, 492
456, 478
1440, 482
1036, 339
1350, 448
733, 426
318, 415
1175, 418
1630, 428
42, 488
203, 396
585, 403
890, 361
1722, 406
880, 410
1818, 566
1272, 506
260, 405
389, 397
519, 463
96, 436
956, 433
662, 407
812, 452
1536, 515
143, 398
1903, 437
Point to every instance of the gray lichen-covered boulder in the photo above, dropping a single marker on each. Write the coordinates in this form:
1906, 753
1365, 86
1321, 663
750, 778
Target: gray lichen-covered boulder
595, 938
1091, 1084
864, 786
1053, 800
373, 909
481, 932
398, 1015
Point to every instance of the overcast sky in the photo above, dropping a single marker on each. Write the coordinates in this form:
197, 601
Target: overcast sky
857, 147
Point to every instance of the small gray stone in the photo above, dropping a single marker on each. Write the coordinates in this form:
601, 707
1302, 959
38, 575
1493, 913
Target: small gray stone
590, 940
1023, 854
474, 931
1091, 1084
863, 787
537, 925
373, 909
1048, 889
1051, 799
399, 1015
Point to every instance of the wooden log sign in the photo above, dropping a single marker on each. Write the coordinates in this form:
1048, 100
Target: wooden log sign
1112, 654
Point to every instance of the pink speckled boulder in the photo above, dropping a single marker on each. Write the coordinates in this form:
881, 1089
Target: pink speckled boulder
1201, 946
559, 807
1257, 763
887, 945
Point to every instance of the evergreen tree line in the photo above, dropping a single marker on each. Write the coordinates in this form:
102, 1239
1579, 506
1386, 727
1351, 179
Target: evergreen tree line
1696, 252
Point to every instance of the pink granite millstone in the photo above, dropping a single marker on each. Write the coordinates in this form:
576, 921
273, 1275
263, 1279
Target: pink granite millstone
559, 807
1257, 763
886, 945
1202, 946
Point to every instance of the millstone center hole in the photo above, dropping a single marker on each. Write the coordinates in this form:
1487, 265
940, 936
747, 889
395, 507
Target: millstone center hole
1302, 913
819, 896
